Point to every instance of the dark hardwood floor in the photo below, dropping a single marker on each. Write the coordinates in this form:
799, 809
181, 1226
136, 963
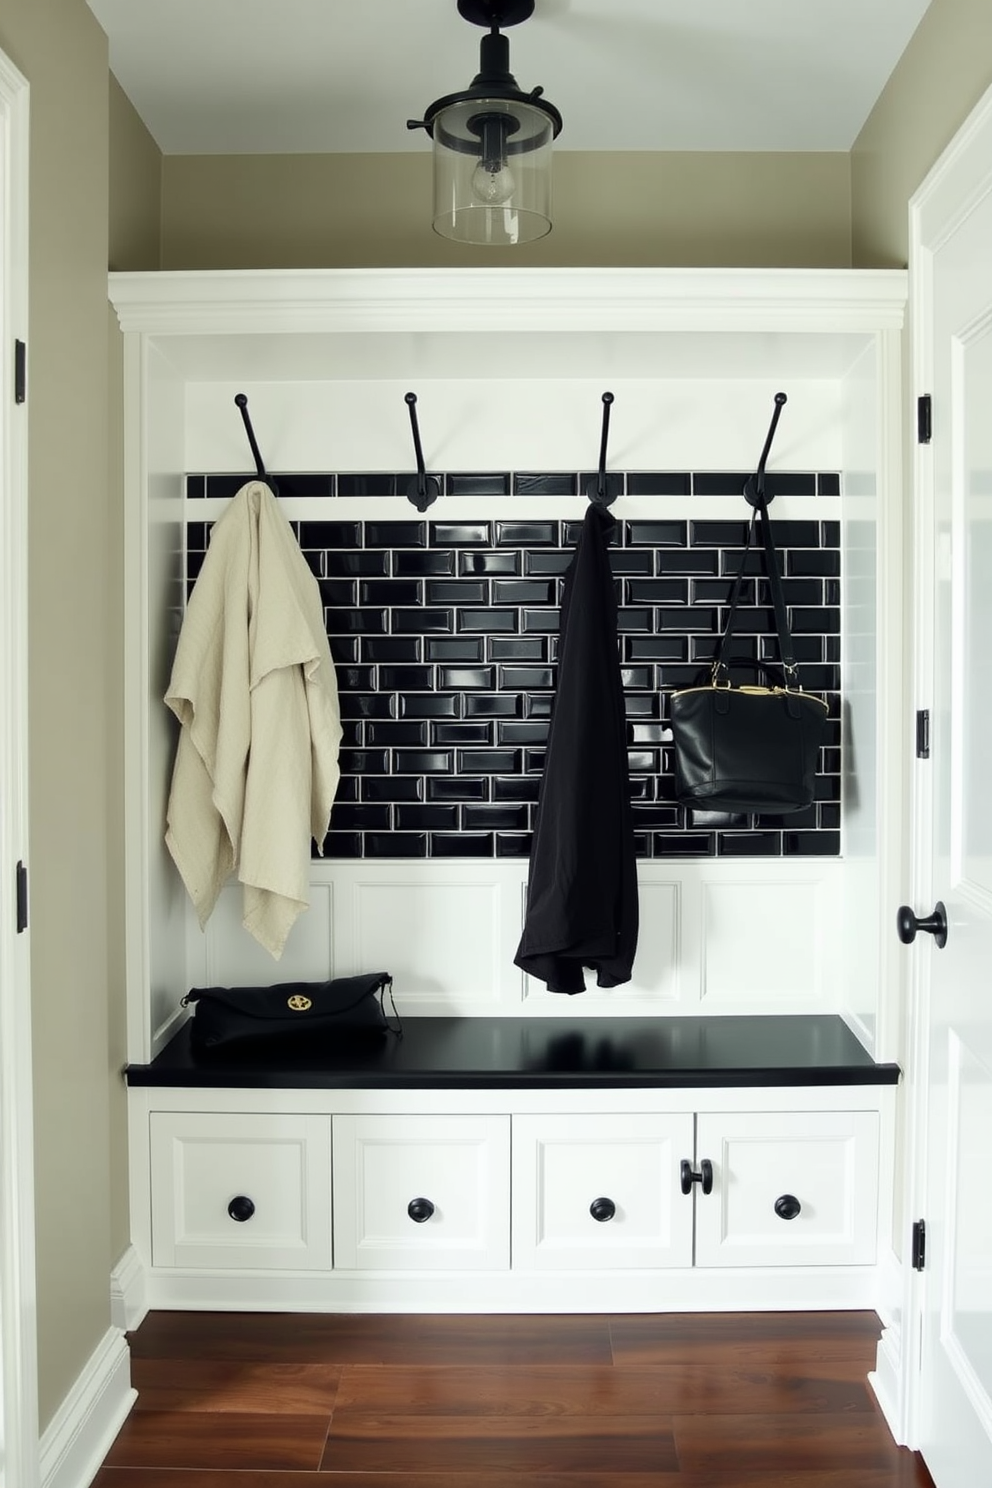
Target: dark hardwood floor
253, 1400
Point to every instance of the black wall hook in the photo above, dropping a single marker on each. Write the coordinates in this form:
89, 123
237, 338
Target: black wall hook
604, 488
424, 489
242, 401
754, 486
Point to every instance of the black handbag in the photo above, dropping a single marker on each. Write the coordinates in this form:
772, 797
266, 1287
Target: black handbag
346, 1010
749, 748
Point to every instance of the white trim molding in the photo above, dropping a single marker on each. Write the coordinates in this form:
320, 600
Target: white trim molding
128, 1301
83, 1429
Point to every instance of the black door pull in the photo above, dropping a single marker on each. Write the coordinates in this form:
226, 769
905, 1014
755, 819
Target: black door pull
935, 924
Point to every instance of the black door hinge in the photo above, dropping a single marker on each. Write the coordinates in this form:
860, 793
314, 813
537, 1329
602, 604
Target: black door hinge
22, 898
924, 419
919, 1245
923, 733
20, 371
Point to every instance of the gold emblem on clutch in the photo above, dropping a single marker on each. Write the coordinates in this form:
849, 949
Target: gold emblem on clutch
299, 1004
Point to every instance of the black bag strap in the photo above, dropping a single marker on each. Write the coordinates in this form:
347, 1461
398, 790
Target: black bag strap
786, 650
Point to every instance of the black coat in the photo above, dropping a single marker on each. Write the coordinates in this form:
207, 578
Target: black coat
582, 894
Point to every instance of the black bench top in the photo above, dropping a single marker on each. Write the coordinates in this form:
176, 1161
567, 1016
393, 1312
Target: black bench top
508, 1053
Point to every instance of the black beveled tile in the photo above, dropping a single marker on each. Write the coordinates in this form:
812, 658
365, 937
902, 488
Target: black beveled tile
538, 704
749, 844
506, 818
816, 678
351, 733
655, 534
650, 733
196, 487
589, 482
456, 788
527, 534
630, 620
790, 483
345, 535
460, 535
423, 564
465, 679
395, 535
794, 819
395, 845
366, 705
343, 845
753, 619
364, 761
710, 819
488, 761
534, 761
355, 622
828, 483
721, 482
690, 561
461, 733
516, 648
831, 648
831, 592
553, 562
346, 817
753, 561
641, 705
389, 592
472, 562
696, 618
355, 678
540, 622
796, 591
823, 620
429, 705
642, 845
642, 761
422, 761
515, 788
828, 815
641, 788
808, 648
636, 561
656, 591
522, 733
223, 487
197, 536
811, 844
638, 678
718, 534
406, 678
512, 845
344, 649
347, 788
797, 534
427, 818
466, 648
830, 761
718, 591
316, 485
742, 648
658, 816
831, 736
546, 483
525, 678
683, 845
461, 845
391, 648
492, 705
392, 733
671, 678
658, 483
421, 622
362, 483
457, 591
827, 787
814, 562
524, 591
572, 531
486, 620
194, 563
655, 648
340, 564
469, 484
393, 788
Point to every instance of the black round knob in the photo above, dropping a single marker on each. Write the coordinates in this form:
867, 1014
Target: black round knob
420, 1210
788, 1206
935, 924
241, 1208
602, 1209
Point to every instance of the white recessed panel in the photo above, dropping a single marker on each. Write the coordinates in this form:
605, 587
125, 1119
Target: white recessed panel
438, 939
656, 970
234, 958
968, 1304
760, 941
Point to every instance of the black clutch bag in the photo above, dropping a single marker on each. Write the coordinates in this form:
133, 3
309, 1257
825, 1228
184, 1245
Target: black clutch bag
346, 1010
749, 748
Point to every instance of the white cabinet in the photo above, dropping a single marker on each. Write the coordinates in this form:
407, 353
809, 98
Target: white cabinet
422, 1192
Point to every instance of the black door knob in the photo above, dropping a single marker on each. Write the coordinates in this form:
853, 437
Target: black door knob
935, 924
704, 1177
241, 1208
788, 1206
420, 1210
602, 1209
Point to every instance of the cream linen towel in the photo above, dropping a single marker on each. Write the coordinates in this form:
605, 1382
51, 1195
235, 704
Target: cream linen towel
254, 689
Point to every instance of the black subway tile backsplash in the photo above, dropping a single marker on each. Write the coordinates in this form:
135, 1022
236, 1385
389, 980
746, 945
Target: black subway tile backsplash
445, 638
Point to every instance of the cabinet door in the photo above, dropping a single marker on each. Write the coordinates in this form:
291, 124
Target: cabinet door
245, 1192
796, 1189
422, 1192
600, 1191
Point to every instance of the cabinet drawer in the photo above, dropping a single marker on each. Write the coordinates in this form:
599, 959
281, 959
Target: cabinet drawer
242, 1192
422, 1192
600, 1191
819, 1167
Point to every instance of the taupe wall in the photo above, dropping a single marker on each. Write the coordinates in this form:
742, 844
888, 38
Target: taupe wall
942, 74
135, 188
320, 211
73, 704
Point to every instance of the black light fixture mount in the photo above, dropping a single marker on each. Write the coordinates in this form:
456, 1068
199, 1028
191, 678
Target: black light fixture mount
492, 143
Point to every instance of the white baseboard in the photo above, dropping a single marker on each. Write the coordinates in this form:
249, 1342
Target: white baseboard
82, 1432
889, 1379
128, 1303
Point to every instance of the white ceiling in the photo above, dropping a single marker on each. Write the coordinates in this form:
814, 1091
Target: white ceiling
299, 76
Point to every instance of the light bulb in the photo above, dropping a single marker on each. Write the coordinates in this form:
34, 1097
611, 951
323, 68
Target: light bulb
492, 183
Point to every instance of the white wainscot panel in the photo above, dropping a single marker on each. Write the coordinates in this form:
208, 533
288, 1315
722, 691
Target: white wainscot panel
770, 939
231, 957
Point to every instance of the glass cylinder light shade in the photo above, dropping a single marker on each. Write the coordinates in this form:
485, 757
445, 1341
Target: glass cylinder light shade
492, 171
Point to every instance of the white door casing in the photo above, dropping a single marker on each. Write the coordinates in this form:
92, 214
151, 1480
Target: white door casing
951, 275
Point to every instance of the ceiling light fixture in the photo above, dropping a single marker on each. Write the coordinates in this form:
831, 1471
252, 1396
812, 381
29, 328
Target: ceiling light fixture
492, 143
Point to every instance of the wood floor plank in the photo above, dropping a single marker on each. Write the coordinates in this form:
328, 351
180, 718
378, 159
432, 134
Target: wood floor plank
189, 1439
248, 1387
575, 1389
525, 1445
753, 1338
127, 1477
769, 1442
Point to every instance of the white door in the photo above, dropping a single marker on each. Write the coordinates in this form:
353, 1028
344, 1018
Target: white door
952, 278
